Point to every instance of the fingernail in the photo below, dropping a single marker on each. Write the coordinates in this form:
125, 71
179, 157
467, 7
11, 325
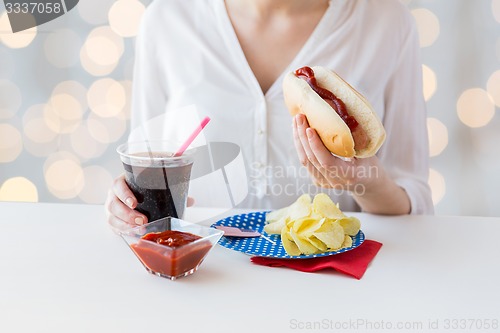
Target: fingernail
129, 202
309, 133
299, 120
139, 221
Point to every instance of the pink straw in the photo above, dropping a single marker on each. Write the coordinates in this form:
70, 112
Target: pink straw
193, 136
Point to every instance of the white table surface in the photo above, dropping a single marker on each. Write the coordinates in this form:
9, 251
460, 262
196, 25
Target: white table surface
64, 270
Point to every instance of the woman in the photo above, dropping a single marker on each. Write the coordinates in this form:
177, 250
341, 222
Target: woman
228, 58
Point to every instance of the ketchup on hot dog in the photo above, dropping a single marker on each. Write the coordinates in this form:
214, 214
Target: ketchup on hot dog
359, 135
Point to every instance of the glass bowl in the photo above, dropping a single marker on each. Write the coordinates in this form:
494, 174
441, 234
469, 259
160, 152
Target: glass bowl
166, 261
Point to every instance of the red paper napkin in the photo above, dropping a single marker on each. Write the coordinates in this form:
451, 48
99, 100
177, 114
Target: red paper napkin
354, 262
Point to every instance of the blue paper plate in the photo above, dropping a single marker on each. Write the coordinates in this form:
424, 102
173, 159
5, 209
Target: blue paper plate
259, 246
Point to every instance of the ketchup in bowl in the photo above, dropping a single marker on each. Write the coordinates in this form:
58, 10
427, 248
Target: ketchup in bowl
168, 249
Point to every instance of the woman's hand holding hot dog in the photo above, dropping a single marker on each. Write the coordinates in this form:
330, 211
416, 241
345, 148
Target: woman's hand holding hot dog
373, 190
343, 123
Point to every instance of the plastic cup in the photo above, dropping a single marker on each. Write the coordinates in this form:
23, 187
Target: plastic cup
159, 180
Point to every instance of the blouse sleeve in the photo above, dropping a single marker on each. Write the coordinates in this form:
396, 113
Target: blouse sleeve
406, 152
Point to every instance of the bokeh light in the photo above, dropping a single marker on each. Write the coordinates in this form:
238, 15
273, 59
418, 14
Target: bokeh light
475, 107
106, 97
495, 9
62, 48
85, 145
15, 40
106, 130
127, 86
438, 136
64, 113
73, 88
493, 87
125, 16
427, 25
97, 183
438, 185
10, 99
18, 189
11, 143
430, 82
39, 139
35, 127
95, 11
101, 51
63, 175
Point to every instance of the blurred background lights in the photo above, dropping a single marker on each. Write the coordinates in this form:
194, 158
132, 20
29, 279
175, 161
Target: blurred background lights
127, 86
35, 127
438, 185
61, 48
438, 136
493, 87
125, 16
430, 82
495, 8
95, 11
10, 98
106, 97
18, 40
85, 145
427, 25
39, 139
73, 88
101, 51
96, 184
41, 149
18, 189
63, 114
106, 130
63, 175
475, 107
11, 143
65, 100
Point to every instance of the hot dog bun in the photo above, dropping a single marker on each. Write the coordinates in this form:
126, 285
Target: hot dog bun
333, 131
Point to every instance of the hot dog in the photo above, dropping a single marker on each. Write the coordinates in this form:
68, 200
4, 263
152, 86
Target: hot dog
342, 117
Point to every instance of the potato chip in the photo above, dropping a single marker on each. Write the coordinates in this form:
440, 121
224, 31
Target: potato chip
275, 227
351, 225
324, 206
290, 247
312, 226
317, 243
306, 226
303, 244
331, 233
300, 208
347, 241
276, 215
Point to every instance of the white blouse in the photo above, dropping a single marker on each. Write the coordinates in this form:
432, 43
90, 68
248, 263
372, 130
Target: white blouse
188, 56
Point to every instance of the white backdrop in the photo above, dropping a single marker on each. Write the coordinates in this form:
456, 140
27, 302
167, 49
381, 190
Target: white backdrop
65, 101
